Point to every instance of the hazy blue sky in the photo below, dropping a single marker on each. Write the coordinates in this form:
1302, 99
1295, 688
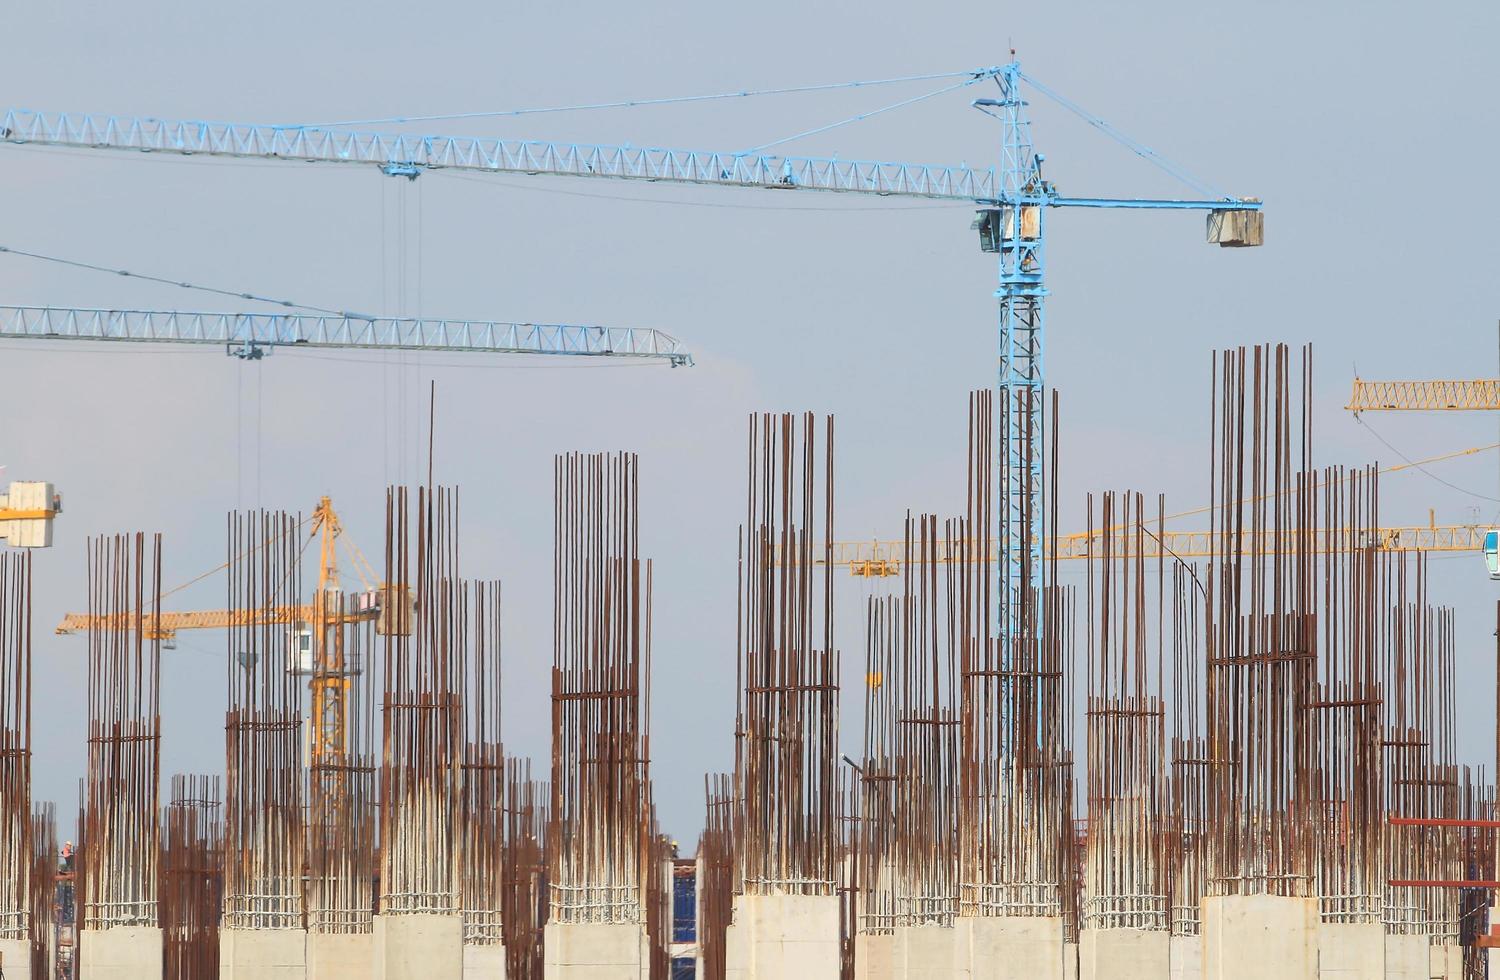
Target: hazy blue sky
1368, 128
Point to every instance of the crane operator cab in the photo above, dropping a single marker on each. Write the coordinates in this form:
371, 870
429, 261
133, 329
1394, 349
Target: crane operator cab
1492, 552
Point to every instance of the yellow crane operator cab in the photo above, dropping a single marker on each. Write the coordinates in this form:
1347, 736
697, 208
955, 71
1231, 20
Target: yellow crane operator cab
1492, 552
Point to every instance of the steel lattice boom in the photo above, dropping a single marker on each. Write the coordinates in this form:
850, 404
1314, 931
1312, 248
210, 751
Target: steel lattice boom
1425, 396
252, 335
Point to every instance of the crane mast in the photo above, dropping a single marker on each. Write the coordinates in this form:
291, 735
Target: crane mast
1022, 291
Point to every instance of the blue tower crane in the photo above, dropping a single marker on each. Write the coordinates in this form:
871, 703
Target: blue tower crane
1012, 199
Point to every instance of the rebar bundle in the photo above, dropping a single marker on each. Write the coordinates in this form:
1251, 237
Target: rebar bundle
600, 840
121, 841
1194, 772
16, 906
1261, 623
525, 898
482, 882
1126, 864
421, 777
716, 875
43, 867
786, 749
1346, 706
1015, 770
875, 789
341, 832
924, 868
1422, 778
659, 904
263, 820
192, 878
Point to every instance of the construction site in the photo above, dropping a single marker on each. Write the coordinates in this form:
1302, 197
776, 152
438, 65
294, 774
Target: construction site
303, 676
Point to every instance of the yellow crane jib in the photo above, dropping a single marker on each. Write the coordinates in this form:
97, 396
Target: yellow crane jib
883, 559
1475, 395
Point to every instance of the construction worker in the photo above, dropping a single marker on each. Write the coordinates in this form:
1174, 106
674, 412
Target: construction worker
67, 856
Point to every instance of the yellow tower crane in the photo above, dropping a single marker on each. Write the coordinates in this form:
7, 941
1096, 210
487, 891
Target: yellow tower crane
321, 649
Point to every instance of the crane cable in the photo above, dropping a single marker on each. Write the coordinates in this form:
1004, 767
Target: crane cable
636, 103
236, 293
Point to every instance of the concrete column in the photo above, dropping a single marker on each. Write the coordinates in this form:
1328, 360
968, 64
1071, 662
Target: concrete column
419, 946
15, 958
340, 956
121, 953
784, 937
928, 953
595, 951
484, 962
1070, 961
737, 950
1124, 954
873, 956
1447, 961
1186, 954
1351, 951
262, 954
1406, 958
1247, 937
1012, 947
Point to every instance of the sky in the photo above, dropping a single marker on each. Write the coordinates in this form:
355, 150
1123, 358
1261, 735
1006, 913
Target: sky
878, 311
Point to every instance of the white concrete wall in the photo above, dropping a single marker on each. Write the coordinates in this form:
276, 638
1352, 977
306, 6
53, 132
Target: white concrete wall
1013, 947
1124, 954
1250, 937
1406, 958
784, 937
1187, 958
121, 953
484, 962
1070, 961
15, 958
1351, 951
929, 953
333, 956
874, 956
419, 947
262, 954
1447, 962
595, 951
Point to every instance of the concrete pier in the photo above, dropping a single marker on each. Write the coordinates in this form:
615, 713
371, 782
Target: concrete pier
15, 958
595, 951
121, 953
1186, 954
484, 962
1012, 947
784, 937
1406, 958
874, 956
1124, 954
1447, 961
419, 946
334, 956
1351, 951
928, 953
1248, 937
262, 954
